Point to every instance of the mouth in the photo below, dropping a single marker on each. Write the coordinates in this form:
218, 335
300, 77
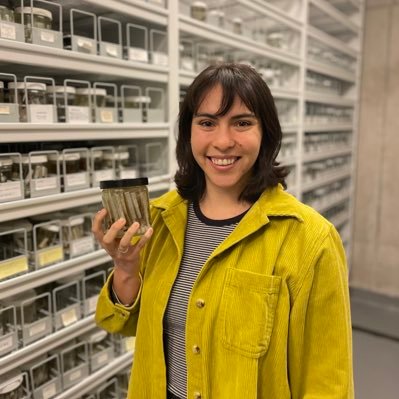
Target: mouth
226, 161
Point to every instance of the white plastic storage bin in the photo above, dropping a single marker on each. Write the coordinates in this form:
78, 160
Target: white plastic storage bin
11, 180
91, 287
156, 108
74, 360
137, 43
9, 28
153, 158
83, 32
14, 385
159, 47
105, 103
101, 168
8, 330
127, 161
9, 109
108, 390
101, 348
187, 55
109, 37
132, 104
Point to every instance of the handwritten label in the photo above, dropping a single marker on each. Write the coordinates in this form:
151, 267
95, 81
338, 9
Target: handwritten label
4, 109
75, 375
10, 191
85, 44
138, 54
49, 391
91, 303
130, 343
160, 58
37, 328
8, 31
68, 317
104, 175
49, 256
103, 358
81, 246
78, 114
111, 50
76, 179
106, 116
6, 344
45, 183
39, 113
47, 36
13, 266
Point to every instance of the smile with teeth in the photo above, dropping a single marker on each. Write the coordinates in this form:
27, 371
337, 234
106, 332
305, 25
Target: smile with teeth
223, 161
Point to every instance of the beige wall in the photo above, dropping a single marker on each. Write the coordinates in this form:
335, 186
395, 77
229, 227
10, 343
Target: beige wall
375, 262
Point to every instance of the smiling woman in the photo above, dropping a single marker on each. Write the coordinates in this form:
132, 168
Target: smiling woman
241, 292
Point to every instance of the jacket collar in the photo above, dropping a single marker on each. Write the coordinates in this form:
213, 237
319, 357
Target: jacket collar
274, 202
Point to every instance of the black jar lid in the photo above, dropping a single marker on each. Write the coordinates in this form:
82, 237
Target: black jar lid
122, 183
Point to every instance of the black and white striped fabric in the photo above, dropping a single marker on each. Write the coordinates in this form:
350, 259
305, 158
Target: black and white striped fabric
203, 235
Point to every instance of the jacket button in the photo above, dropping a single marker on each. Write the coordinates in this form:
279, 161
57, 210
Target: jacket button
200, 303
196, 349
197, 395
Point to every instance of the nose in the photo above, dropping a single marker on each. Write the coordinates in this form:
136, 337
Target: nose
224, 137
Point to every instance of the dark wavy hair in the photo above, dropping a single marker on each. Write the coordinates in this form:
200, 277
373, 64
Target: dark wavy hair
236, 80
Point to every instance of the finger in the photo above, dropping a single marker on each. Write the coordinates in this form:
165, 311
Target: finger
97, 223
144, 239
112, 232
127, 237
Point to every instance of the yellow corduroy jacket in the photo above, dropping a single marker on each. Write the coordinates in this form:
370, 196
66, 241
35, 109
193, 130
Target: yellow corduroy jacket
268, 316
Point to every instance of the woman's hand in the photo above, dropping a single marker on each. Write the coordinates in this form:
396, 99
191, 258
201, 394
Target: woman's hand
126, 256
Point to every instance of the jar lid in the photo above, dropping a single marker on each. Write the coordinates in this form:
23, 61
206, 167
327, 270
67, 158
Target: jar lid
28, 85
140, 181
33, 159
73, 156
5, 162
36, 11
75, 221
11, 384
92, 91
61, 89
199, 4
139, 99
53, 228
122, 155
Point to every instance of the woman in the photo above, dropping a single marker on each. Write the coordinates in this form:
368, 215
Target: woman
242, 290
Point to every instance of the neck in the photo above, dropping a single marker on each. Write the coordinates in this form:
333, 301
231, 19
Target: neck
221, 205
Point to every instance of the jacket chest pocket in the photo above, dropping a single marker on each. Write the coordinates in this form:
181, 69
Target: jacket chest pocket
248, 306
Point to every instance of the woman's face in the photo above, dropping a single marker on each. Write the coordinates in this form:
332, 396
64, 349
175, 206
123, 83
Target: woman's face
225, 147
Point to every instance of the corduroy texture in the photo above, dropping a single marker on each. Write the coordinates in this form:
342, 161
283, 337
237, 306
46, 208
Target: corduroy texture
276, 320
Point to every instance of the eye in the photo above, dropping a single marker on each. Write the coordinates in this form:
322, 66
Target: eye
244, 123
206, 123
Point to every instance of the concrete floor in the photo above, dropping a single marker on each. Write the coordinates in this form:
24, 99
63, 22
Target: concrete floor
376, 366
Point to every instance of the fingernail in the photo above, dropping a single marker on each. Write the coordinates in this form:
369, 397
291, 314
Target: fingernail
121, 220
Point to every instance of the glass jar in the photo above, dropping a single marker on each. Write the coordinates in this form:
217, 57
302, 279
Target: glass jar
72, 229
237, 25
42, 19
217, 17
5, 169
128, 199
6, 14
38, 166
25, 305
48, 236
36, 93
198, 10
59, 93
11, 387
82, 96
71, 160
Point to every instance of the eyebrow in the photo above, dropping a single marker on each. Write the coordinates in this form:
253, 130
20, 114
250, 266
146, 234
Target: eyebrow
213, 116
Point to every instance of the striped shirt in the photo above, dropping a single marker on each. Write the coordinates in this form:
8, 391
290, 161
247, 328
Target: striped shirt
203, 235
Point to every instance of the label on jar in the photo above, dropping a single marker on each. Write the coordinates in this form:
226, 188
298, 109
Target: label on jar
75, 375
49, 256
138, 54
49, 391
13, 266
91, 304
81, 246
160, 58
37, 328
111, 50
45, 183
7, 31
104, 175
130, 344
69, 317
39, 113
10, 191
106, 116
47, 36
128, 174
4, 109
76, 179
6, 344
77, 114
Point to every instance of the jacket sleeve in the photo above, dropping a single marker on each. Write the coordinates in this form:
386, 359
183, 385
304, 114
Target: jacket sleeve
116, 318
320, 337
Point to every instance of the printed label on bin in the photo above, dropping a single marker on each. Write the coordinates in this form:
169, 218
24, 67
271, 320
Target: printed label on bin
111, 50
75, 375
85, 44
13, 266
7, 31
10, 191
47, 36
102, 358
106, 116
37, 328
104, 175
91, 303
138, 54
4, 109
160, 58
49, 391
48, 256
76, 179
68, 317
77, 114
44, 183
128, 174
39, 113
6, 344
130, 344
82, 246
